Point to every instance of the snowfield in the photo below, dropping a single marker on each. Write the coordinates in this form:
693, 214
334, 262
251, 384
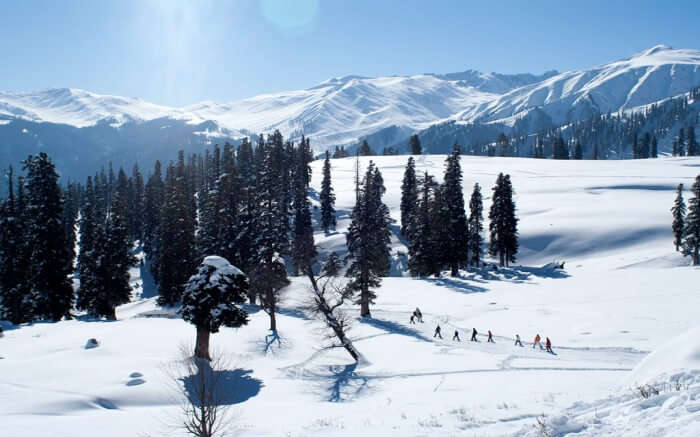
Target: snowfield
624, 292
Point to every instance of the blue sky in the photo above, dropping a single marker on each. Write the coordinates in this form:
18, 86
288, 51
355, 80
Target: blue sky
178, 52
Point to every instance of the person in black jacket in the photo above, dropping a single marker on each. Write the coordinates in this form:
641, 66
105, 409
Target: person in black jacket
437, 332
474, 334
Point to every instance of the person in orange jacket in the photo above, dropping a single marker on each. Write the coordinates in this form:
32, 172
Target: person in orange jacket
537, 342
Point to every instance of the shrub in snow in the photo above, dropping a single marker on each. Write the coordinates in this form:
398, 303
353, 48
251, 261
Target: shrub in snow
92, 343
210, 299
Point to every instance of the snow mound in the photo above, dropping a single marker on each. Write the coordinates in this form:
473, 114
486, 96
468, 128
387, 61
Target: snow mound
678, 355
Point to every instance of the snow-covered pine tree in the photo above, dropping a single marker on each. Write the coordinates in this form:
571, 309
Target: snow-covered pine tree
136, 204
14, 286
210, 300
476, 226
503, 222
654, 147
691, 231
332, 266
424, 247
409, 196
51, 253
177, 240
414, 145
681, 142
678, 211
578, 150
511, 243
91, 230
595, 152
154, 200
368, 239
327, 197
455, 248
118, 258
244, 227
210, 212
268, 274
303, 248
228, 190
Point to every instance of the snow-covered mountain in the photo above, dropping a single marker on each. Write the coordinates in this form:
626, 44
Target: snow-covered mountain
649, 76
345, 109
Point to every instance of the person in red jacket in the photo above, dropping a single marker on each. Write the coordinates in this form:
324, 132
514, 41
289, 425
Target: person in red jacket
549, 346
490, 340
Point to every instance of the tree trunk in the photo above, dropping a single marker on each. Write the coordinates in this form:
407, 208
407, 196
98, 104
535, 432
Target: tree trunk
252, 297
501, 258
201, 349
455, 269
364, 301
271, 309
113, 314
696, 261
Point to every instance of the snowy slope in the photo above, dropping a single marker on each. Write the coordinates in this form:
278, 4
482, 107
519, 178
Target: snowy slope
341, 110
646, 77
624, 292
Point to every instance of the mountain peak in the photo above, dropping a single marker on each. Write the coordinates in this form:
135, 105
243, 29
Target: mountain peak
655, 49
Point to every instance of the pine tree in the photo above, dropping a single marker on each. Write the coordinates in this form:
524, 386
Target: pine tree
645, 146
691, 230
678, 211
327, 198
365, 149
136, 205
692, 142
409, 195
476, 226
595, 151
654, 147
14, 286
456, 246
210, 300
332, 266
368, 240
154, 202
503, 222
268, 275
414, 145
177, 256
681, 142
303, 248
559, 149
424, 246
578, 151
51, 253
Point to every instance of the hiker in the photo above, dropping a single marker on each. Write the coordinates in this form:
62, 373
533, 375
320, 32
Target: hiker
474, 334
517, 340
537, 342
437, 332
413, 319
456, 336
419, 315
549, 346
490, 340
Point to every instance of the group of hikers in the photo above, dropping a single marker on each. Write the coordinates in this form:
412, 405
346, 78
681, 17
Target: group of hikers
418, 316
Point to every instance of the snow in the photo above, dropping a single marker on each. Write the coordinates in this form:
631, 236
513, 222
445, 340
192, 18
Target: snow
682, 352
624, 292
343, 109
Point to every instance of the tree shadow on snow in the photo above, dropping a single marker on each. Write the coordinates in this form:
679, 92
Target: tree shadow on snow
230, 386
344, 383
393, 328
457, 284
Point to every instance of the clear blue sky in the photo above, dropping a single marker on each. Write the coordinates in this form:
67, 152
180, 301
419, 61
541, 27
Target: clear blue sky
181, 52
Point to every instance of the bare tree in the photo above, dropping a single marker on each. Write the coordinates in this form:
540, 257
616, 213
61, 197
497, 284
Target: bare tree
202, 387
326, 302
